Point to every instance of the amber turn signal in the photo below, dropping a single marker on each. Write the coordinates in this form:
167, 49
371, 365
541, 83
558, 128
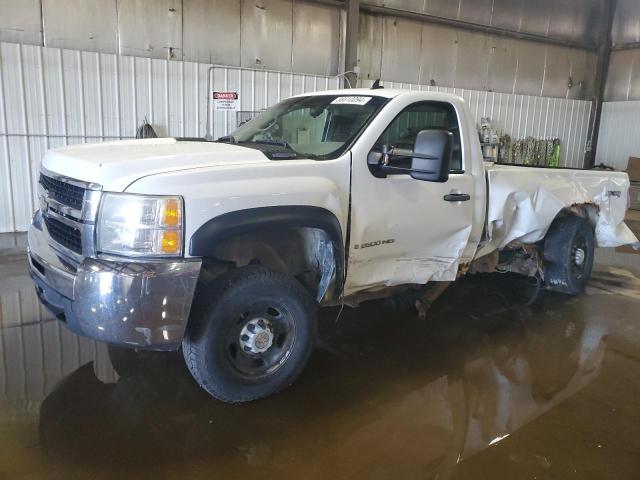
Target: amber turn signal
172, 213
170, 242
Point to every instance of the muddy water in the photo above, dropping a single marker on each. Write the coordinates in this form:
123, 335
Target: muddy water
487, 387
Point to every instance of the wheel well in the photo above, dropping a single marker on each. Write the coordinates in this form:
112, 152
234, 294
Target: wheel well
527, 259
301, 241
588, 211
304, 253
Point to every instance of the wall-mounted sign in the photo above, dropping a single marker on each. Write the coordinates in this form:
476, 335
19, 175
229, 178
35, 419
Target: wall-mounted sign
225, 101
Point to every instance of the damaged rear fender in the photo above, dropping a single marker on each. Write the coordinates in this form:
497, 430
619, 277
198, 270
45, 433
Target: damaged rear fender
525, 201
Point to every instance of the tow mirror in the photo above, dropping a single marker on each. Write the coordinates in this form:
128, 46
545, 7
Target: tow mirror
431, 157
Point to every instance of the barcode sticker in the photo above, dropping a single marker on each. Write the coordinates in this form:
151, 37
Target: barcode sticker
351, 100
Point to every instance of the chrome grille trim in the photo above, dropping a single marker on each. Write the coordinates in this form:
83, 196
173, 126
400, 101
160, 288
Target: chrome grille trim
87, 232
64, 234
71, 181
92, 194
63, 193
82, 220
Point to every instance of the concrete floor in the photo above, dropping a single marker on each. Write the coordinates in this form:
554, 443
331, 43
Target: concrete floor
487, 387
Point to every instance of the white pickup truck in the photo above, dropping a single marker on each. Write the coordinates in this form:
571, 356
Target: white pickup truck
226, 249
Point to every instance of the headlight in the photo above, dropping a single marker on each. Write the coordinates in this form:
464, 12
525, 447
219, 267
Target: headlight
140, 225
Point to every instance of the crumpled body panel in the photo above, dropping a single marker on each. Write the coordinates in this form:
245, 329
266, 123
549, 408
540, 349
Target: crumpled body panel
524, 201
391, 270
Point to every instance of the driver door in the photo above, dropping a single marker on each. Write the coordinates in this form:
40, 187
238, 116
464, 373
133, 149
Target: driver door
403, 230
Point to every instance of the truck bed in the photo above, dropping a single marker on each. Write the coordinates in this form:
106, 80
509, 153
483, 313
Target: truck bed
523, 201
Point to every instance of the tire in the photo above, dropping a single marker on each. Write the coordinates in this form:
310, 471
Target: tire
566, 270
232, 322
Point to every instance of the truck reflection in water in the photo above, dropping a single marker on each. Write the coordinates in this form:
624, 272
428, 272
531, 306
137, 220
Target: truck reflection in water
365, 408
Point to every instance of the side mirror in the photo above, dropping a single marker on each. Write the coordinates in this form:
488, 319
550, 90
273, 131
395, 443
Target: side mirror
431, 158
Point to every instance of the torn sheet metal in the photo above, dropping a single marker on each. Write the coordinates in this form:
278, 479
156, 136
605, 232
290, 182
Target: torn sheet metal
326, 265
524, 201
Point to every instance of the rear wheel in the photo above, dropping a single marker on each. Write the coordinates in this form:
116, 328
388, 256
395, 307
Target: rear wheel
568, 254
250, 334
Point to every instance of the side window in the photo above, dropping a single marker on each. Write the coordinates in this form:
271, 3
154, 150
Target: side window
402, 131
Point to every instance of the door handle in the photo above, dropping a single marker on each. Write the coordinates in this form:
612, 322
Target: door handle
457, 197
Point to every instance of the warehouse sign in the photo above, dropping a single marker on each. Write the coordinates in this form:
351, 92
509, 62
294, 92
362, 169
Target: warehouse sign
225, 101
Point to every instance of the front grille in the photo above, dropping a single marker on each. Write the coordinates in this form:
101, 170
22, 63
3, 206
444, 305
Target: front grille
63, 192
66, 235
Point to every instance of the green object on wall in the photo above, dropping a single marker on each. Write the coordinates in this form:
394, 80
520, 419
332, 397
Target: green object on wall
554, 160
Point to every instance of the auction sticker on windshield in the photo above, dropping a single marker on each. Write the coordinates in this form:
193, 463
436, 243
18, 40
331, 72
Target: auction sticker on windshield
351, 100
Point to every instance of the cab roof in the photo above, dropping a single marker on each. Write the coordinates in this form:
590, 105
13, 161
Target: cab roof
384, 93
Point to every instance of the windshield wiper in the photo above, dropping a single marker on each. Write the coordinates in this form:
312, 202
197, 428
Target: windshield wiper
281, 143
287, 154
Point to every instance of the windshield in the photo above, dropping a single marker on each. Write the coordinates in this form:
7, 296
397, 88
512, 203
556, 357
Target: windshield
317, 127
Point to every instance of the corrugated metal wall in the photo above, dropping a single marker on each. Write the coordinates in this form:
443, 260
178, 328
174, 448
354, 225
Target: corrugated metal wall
626, 22
307, 37
283, 35
51, 97
619, 136
207, 30
403, 50
521, 116
623, 79
571, 20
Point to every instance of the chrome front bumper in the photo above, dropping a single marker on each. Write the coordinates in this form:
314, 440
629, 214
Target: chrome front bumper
140, 305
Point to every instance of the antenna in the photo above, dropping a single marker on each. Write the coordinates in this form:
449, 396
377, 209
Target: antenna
376, 85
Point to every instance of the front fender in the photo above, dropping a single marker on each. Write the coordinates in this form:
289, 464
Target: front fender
264, 219
225, 200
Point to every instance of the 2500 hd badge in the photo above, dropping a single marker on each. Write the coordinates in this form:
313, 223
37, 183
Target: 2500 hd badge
374, 244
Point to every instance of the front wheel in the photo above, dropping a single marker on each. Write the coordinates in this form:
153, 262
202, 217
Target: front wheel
250, 334
568, 254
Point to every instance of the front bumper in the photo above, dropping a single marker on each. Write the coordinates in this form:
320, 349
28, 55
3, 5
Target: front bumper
140, 305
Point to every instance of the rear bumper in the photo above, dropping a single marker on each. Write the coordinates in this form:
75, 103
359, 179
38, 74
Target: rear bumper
140, 305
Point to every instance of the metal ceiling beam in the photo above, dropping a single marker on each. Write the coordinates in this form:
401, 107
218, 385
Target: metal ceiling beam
331, 3
602, 69
450, 22
474, 27
625, 46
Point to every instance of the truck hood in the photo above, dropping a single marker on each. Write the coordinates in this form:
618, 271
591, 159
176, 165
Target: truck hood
115, 165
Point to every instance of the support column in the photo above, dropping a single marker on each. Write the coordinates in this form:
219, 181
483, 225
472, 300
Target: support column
602, 69
351, 43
